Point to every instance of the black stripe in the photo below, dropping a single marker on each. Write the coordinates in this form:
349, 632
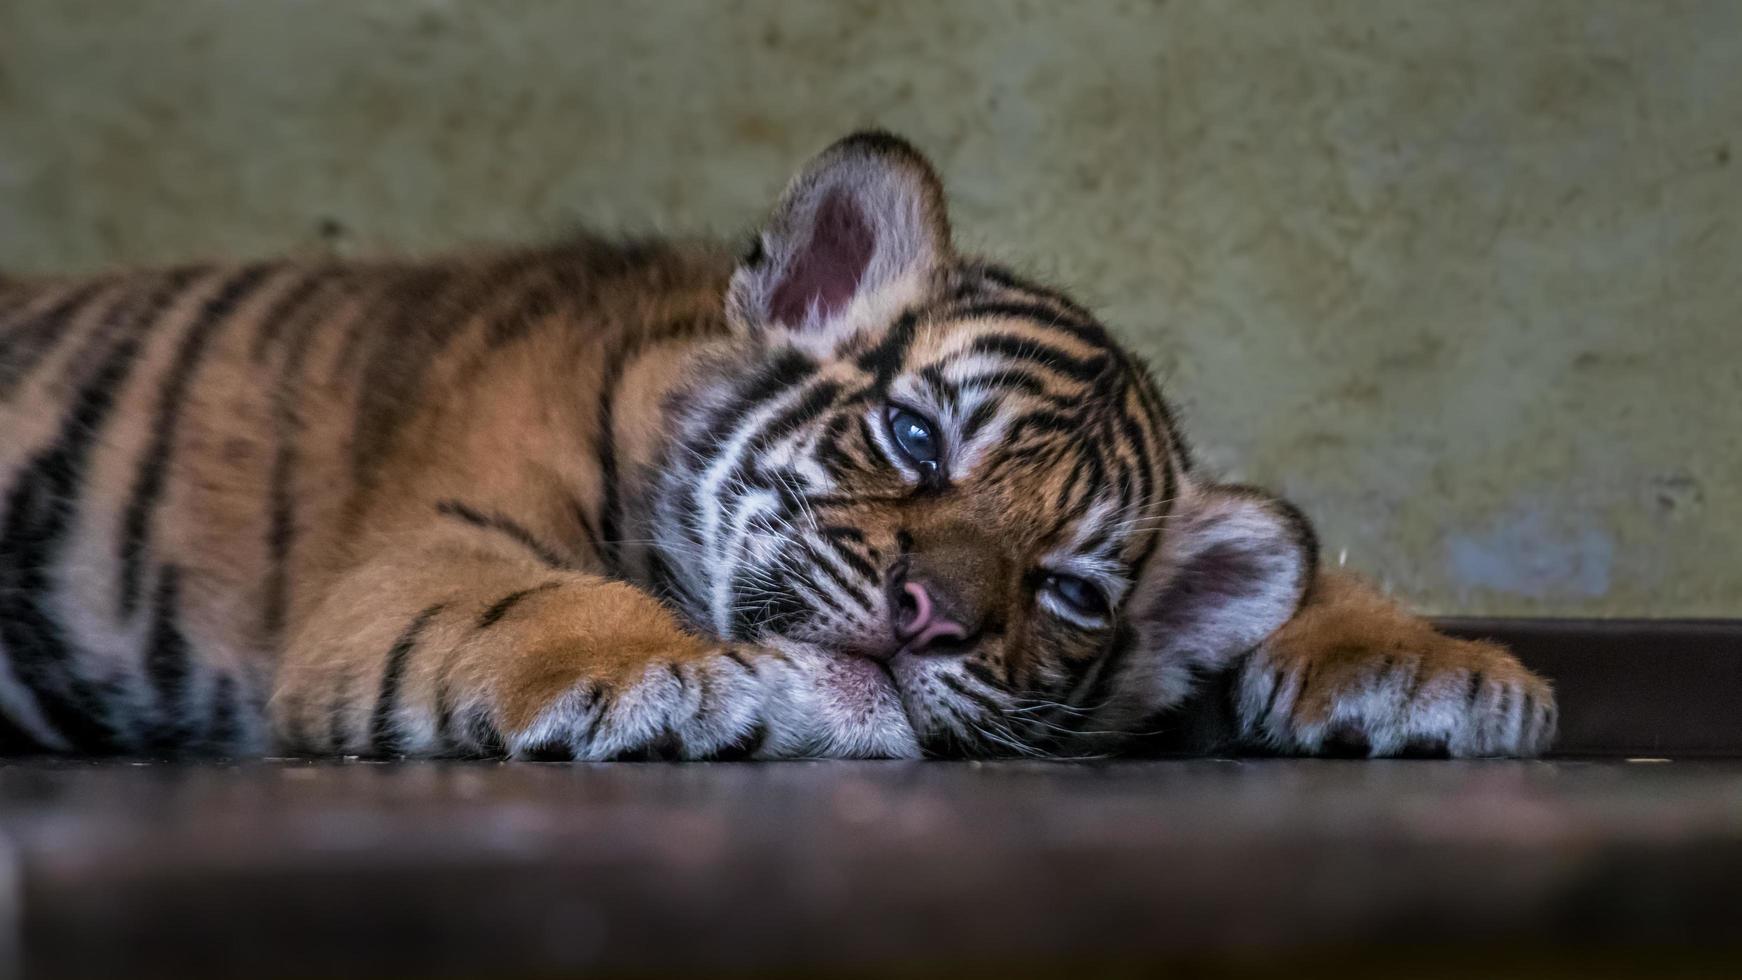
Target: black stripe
886, 358
1161, 417
858, 591
942, 389
1068, 497
606, 451
624, 355
132, 314
1011, 377
538, 303
444, 712
168, 664
1278, 681
586, 523
833, 457
1073, 670
1086, 480
484, 734
410, 308
505, 526
786, 371
1160, 460
843, 532
1169, 476
285, 310
1032, 351
853, 559
500, 607
978, 418
1044, 420
1009, 280
982, 673
784, 614
381, 731
869, 439
585, 740
1123, 491
40, 510
1084, 330
1107, 668
21, 312
154, 462
1145, 464
23, 347
744, 746
223, 726
1095, 542
667, 587
409, 317
281, 481
986, 702
814, 402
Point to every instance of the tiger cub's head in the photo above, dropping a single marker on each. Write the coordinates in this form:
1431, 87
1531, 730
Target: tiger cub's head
960, 479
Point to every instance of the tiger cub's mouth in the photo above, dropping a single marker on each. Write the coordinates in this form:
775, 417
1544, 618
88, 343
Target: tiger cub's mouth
861, 685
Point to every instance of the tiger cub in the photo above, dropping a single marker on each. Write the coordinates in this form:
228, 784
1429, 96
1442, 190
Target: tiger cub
853, 494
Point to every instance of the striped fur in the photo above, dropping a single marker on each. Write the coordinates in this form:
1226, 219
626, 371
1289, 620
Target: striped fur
630, 500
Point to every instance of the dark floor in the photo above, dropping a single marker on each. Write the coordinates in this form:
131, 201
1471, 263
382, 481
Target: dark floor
291, 868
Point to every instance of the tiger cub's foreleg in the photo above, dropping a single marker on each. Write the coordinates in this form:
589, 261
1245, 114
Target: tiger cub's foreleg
1354, 670
452, 652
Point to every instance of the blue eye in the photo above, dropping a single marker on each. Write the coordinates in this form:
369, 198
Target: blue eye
915, 437
1083, 598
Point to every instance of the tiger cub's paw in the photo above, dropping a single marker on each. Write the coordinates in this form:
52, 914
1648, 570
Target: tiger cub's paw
732, 703
1442, 696
711, 707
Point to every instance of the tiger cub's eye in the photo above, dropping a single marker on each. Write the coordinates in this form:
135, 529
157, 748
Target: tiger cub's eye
915, 437
1079, 595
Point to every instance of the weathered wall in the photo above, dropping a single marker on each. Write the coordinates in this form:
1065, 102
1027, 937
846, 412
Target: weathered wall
1462, 278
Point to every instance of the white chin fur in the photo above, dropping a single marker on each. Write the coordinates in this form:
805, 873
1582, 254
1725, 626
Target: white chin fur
836, 707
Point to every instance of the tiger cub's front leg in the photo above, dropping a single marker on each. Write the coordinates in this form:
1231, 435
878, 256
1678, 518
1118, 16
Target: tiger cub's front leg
448, 652
1354, 670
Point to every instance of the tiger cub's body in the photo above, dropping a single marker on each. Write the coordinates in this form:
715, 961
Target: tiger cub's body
853, 495
195, 458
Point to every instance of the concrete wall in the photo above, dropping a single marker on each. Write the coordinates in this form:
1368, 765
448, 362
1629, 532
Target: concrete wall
1461, 278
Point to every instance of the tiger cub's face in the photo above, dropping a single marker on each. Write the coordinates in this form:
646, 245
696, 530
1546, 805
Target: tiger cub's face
956, 483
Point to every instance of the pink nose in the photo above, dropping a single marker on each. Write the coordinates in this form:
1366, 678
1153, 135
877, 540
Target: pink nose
919, 623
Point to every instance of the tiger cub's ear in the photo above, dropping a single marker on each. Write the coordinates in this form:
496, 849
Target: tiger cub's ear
1234, 566
858, 234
